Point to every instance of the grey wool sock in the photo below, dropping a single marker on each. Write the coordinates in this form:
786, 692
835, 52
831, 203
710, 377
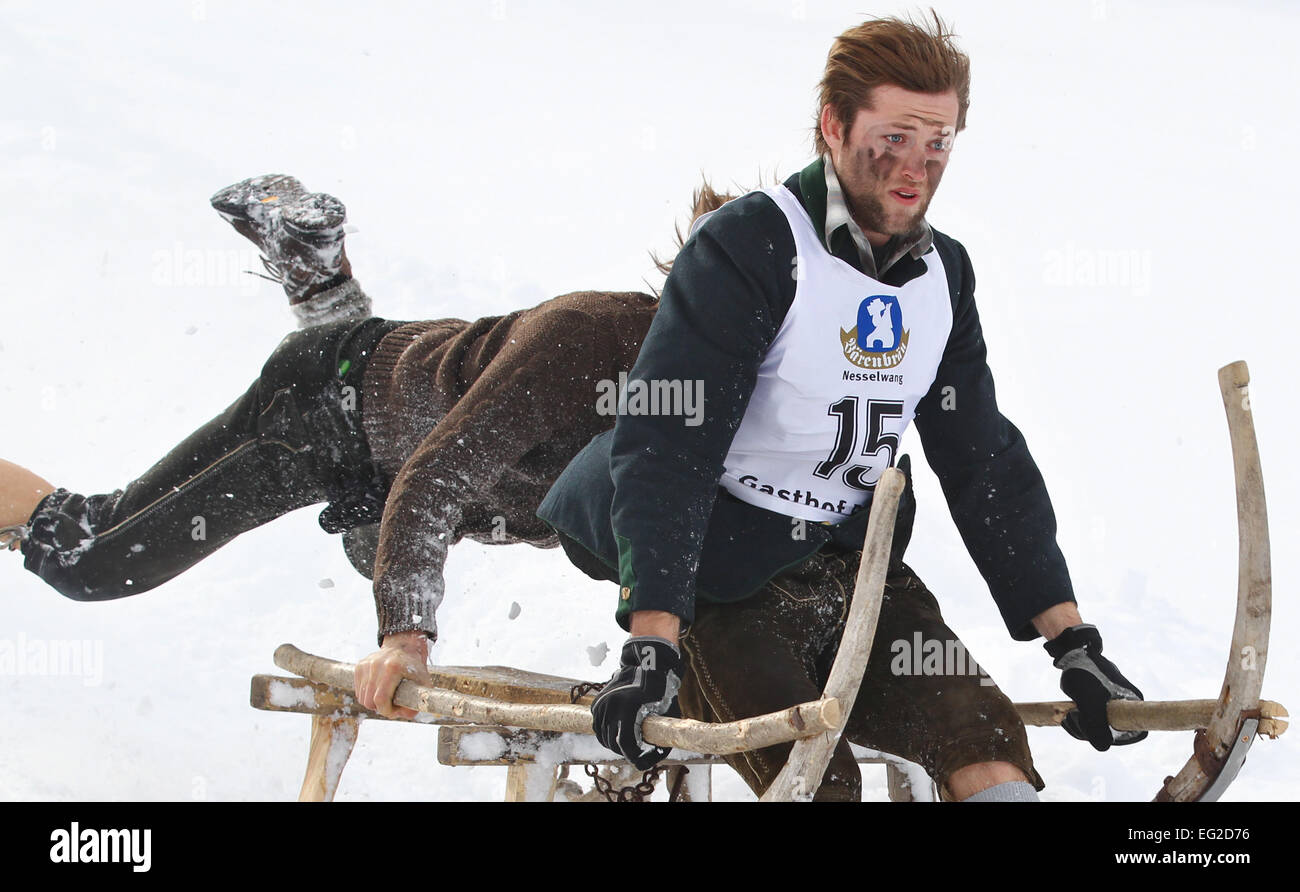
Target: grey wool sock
1011, 791
345, 301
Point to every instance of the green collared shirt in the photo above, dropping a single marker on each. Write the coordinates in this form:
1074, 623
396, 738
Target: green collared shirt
841, 234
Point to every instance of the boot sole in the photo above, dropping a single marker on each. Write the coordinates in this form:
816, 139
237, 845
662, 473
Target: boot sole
233, 202
314, 218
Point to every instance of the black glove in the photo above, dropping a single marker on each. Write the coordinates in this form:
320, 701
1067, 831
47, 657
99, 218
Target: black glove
1091, 680
646, 683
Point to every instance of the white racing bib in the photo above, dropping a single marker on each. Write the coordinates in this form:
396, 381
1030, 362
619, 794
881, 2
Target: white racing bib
839, 384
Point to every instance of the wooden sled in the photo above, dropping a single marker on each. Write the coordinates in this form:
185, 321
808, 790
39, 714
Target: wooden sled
498, 699
538, 763
527, 722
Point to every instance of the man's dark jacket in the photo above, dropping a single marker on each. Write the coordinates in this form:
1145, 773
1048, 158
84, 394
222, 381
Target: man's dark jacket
641, 504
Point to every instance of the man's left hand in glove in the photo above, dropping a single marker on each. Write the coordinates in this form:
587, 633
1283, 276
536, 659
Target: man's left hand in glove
1091, 681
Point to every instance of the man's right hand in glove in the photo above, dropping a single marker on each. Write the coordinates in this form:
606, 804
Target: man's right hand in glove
646, 684
375, 680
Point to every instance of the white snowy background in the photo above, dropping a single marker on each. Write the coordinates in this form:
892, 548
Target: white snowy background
496, 153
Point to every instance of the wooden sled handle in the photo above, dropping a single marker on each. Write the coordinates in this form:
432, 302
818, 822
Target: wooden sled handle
1156, 715
804, 768
721, 738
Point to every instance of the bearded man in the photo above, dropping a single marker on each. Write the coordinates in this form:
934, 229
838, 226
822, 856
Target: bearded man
822, 316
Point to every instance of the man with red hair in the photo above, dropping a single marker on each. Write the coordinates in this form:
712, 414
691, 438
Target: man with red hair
821, 317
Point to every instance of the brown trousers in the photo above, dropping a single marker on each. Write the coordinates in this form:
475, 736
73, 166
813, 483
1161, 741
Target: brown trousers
775, 649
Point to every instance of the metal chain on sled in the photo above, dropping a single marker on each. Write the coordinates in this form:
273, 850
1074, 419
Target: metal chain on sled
638, 792
635, 793
582, 689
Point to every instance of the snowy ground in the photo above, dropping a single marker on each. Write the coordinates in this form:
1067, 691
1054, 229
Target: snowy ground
1119, 157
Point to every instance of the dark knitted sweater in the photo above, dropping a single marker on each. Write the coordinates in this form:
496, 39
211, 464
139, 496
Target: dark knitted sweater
473, 422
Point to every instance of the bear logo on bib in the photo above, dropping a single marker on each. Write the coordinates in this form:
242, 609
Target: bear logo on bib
878, 341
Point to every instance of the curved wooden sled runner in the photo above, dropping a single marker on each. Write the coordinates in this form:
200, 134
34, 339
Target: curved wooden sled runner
1220, 748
